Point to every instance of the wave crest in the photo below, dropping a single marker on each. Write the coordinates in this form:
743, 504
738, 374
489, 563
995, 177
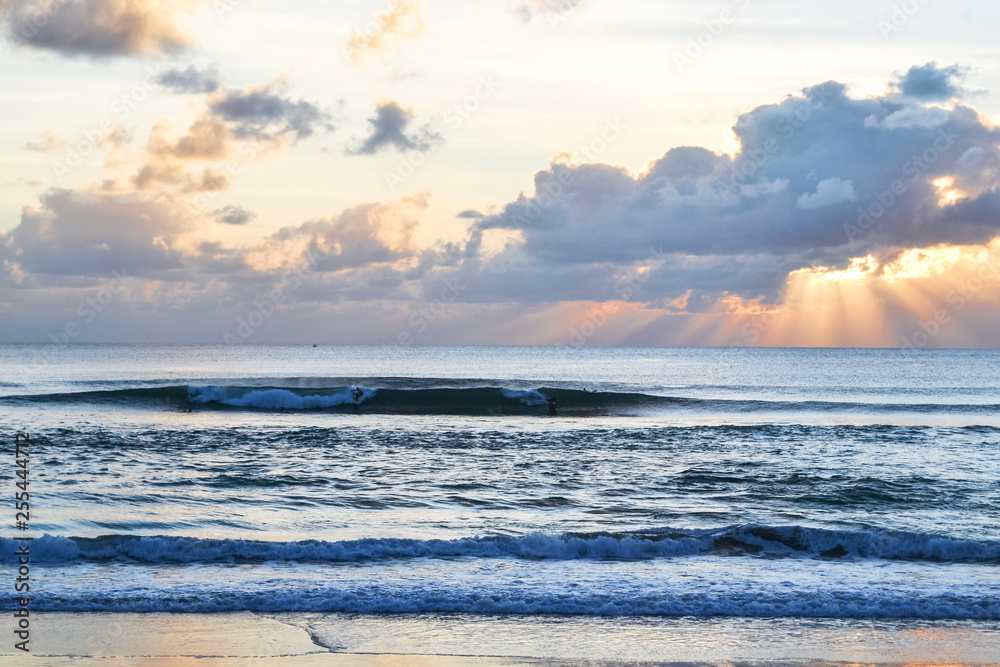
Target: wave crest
744, 540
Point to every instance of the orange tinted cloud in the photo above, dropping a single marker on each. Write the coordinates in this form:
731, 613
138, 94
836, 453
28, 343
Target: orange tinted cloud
388, 28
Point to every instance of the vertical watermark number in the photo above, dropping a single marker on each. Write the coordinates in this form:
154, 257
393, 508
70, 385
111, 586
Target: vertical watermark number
22, 517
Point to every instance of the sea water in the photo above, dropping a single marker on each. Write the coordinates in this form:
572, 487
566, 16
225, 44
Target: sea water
605, 485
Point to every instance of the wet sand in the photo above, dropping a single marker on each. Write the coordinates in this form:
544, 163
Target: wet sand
456, 641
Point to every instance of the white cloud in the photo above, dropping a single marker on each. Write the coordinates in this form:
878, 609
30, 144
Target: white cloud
829, 191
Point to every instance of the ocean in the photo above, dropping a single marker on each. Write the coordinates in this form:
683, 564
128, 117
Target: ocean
748, 486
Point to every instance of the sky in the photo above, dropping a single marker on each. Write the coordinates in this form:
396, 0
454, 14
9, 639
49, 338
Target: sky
526, 172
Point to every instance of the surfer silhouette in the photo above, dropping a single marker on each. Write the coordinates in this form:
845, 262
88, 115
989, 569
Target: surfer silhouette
357, 394
552, 405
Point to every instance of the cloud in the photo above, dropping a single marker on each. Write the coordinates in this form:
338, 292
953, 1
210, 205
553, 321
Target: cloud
233, 215
371, 233
109, 134
100, 28
164, 175
28, 181
826, 191
387, 30
207, 138
245, 122
830, 191
49, 143
916, 117
791, 197
72, 238
973, 155
190, 80
264, 112
528, 9
388, 128
73, 233
930, 82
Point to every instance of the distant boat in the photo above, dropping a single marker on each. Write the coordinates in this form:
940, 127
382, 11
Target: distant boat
315, 345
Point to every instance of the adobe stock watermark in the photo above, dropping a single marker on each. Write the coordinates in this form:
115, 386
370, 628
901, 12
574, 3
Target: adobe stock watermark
957, 299
425, 313
454, 118
882, 201
22, 521
223, 7
267, 304
714, 29
90, 308
105, 129
899, 16
754, 160
557, 11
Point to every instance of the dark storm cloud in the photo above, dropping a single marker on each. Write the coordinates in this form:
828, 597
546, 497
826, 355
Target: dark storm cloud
388, 128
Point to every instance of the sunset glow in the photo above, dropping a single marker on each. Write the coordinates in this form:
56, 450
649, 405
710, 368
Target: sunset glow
519, 180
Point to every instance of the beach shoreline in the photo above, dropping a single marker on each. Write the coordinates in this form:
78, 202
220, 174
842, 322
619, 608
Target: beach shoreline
59, 638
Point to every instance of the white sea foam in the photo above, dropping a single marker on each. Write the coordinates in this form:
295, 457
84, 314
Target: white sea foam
876, 603
275, 399
750, 540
